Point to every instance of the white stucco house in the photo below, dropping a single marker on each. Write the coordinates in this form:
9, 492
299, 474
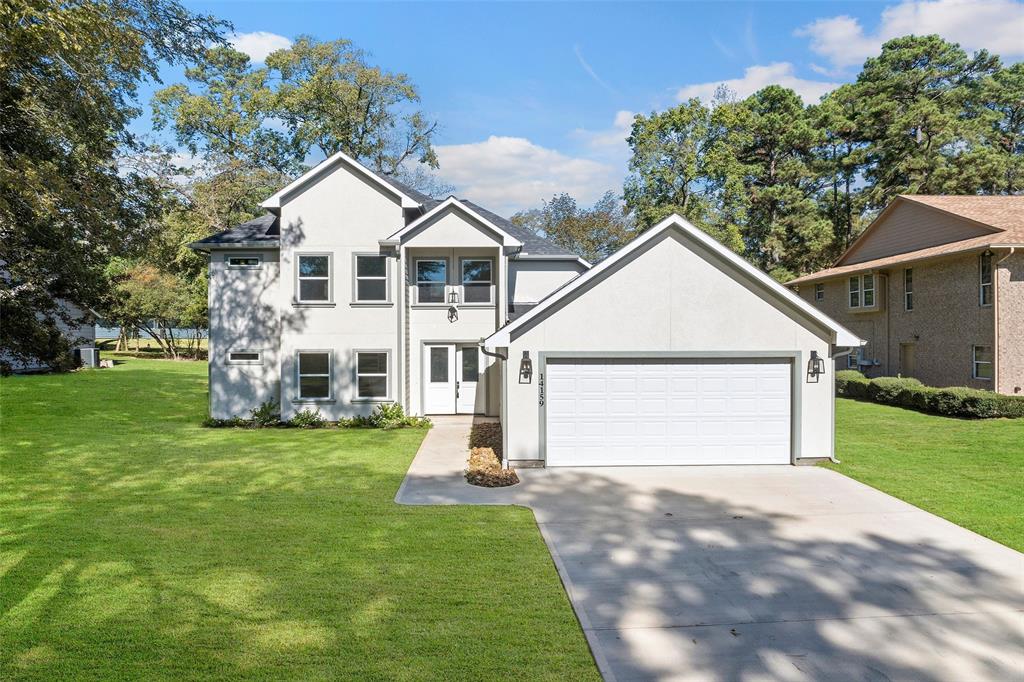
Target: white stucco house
355, 290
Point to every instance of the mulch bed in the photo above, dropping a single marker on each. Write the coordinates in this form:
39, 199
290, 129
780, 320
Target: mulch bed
485, 458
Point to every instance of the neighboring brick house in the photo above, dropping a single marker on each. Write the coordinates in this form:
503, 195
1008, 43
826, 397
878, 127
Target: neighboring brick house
936, 286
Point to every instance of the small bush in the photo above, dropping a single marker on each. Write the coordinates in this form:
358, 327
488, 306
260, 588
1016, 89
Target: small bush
392, 416
851, 384
267, 414
232, 423
485, 470
889, 390
308, 419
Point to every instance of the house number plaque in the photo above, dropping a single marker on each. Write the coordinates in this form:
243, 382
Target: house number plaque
540, 389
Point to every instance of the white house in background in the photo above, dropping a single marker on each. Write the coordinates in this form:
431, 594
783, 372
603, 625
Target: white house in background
355, 290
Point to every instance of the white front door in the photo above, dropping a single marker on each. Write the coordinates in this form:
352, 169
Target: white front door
439, 379
470, 398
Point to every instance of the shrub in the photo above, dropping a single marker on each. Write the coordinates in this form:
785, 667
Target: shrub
232, 423
851, 384
485, 470
267, 414
959, 401
392, 416
890, 390
308, 419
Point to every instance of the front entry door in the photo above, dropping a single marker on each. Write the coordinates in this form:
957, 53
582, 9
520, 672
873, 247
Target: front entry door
439, 379
468, 366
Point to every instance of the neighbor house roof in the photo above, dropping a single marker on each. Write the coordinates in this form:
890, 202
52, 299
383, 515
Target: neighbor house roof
1003, 215
841, 335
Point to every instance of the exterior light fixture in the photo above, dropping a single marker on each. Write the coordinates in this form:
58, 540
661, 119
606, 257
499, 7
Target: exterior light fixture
525, 368
453, 297
815, 366
453, 314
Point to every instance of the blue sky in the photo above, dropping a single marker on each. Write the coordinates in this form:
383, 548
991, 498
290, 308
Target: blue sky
535, 98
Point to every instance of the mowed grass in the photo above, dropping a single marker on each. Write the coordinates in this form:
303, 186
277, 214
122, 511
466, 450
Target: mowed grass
968, 471
135, 544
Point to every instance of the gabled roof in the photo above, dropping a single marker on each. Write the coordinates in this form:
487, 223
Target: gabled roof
452, 203
408, 197
1003, 216
262, 232
841, 336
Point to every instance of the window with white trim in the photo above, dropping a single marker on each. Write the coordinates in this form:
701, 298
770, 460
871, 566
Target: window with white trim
477, 278
372, 375
371, 278
908, 289
862, 291
314, 371
431, 278
985, 279
855, 292
245, 357
249, 262
819, 292
314, 278
981, 362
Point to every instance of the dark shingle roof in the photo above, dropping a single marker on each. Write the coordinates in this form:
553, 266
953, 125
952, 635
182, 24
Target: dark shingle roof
533, 243
262, 231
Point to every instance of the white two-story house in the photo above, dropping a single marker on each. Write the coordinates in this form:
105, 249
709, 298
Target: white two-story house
354, 290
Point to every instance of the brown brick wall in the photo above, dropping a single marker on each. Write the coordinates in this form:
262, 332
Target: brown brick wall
1010, 305
945, 323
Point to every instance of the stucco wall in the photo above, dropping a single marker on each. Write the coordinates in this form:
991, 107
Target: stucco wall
945, 323
1010, 306
531, 280
668, 299
244, 315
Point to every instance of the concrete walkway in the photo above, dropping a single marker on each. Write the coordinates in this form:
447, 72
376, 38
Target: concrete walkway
751, 573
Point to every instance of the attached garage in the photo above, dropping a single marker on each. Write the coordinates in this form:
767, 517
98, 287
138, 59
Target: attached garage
673, 351
648, 411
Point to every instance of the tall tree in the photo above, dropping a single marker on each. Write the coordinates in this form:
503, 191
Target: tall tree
69, 72
593, 233
840, 158
1002, 104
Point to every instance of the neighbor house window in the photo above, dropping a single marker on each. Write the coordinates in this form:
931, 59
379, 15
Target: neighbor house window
982, 362
908, 289
476, 280
245, 357
314, 375
371, 278
819, 292
314, 278
372, 375
853, 359
862, 291
431, 277
985, 279
244, 262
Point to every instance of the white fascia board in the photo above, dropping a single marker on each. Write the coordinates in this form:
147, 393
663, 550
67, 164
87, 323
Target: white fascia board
507, 240
841, 336
325, 166
542, 256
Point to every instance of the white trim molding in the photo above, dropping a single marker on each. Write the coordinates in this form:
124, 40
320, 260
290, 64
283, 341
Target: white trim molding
396, 238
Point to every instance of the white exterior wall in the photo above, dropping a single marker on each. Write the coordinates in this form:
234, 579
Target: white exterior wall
341, 214
531, 280
669, 299
244, 315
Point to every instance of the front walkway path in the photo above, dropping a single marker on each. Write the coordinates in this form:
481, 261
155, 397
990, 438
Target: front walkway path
744, 573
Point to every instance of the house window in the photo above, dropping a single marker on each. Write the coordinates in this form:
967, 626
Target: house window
314, 375
244, 262
862, 291
982, 362
314, 271
819, 292
908, 289
372, 375
431, 277
853, 359
245, 357
438, 365
371, 278
985, 279
476, 280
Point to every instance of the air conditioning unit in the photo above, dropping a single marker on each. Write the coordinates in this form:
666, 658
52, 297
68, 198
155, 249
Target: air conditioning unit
88, 357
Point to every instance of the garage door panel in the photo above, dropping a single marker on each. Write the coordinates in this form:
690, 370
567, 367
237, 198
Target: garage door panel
640, 412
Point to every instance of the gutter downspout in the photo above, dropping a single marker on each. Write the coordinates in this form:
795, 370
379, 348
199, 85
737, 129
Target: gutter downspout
995, 317
504, 400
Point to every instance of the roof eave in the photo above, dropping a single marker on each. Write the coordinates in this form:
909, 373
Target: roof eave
507, 240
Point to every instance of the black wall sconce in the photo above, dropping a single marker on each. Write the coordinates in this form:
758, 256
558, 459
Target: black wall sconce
815, 366
453, 297
525, 368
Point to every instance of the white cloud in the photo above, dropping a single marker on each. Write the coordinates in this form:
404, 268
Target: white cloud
508, 174
590, 71
756, 77
258, 44
609, 138
996, 25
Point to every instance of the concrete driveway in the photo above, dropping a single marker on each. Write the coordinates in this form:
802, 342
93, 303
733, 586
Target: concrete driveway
751, 573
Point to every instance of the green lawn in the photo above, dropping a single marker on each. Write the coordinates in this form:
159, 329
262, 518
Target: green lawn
968, 471
135, 544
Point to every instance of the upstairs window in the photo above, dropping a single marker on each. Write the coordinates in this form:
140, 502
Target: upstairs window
314, 272
908, 289
862, 291
371, 278
855, 292
314, 375
981, 361
985, 279
431, 277
476, 280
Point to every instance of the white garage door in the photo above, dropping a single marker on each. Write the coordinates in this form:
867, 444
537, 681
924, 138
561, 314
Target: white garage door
657, 411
